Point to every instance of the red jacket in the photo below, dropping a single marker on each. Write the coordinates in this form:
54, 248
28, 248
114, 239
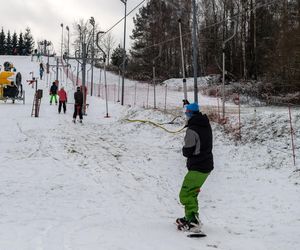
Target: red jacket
62, 95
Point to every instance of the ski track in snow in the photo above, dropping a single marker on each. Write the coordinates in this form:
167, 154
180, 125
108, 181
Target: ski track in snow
110, 184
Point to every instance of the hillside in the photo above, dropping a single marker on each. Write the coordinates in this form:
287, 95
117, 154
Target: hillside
110, 184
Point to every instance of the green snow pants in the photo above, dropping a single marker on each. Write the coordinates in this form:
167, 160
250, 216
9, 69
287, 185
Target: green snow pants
53, 97
190, 189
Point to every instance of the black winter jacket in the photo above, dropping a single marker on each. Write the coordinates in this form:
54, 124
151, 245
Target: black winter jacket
198, 144
78, 97
53, 89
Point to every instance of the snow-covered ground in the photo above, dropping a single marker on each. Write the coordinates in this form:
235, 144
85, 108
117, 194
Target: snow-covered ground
110, 184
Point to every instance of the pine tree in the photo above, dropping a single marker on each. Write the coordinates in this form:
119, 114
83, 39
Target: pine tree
147, 33
28, 41
14, 43
117, 56
2, 42
8, 45
21, 45
141, 35
156, 23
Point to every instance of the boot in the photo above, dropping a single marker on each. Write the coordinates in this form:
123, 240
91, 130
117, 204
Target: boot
193, 225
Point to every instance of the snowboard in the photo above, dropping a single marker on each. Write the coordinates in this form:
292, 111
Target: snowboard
196, 235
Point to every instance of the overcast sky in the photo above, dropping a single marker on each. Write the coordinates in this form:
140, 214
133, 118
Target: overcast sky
44, 17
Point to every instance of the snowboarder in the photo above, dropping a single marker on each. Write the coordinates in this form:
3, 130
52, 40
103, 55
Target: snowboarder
53, 93
78, 97
63, 98
198, 151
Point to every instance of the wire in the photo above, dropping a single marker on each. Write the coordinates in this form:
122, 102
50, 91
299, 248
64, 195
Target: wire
124, 17
207, 27
156, 125
171, 122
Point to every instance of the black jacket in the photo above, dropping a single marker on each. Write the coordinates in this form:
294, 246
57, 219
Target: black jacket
78, 97
198, 144
53, 89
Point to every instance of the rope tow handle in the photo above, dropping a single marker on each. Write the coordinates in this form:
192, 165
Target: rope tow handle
171, 122
156, 125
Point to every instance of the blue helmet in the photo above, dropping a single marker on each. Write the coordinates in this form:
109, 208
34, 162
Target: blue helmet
192, 109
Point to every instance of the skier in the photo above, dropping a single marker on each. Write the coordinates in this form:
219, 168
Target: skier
38, 55
78, 97
198, 151
53, 93
41, 71
63, 98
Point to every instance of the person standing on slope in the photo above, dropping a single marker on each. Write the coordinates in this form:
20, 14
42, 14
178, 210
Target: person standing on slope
41, 70
63, 98
198, 144
78, 97
53, 93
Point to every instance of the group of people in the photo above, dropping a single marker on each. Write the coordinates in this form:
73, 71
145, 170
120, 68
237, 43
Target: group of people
63, 99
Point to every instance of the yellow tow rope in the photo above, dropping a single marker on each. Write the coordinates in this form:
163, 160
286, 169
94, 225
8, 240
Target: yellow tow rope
156, 125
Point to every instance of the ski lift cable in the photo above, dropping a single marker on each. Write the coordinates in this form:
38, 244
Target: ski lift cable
156, 125
138, 5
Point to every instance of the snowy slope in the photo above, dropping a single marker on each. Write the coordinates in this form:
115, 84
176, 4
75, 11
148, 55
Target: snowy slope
110, 184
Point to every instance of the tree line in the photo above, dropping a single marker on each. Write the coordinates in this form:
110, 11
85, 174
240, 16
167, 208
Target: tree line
266, 45
16, 44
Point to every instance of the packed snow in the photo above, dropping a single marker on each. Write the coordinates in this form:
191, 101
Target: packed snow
112, 184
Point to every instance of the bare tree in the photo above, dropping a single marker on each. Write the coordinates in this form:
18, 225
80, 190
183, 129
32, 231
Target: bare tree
109, 43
